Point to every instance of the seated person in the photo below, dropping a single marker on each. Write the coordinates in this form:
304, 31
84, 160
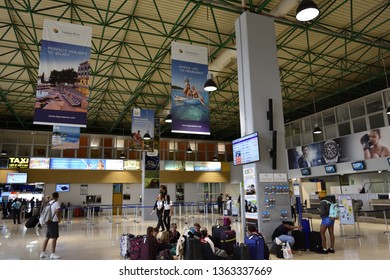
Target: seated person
174, 235
282, 232
163, 243
207, 238
197, 230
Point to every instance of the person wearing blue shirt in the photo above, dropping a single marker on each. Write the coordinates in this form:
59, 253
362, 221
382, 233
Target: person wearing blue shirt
16, 205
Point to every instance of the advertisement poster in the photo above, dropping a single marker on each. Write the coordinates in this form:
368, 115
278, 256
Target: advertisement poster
142, 124
250, 193
190, 102
371, 144
63, 74
65, 137
39, 163
346, 210
86, 164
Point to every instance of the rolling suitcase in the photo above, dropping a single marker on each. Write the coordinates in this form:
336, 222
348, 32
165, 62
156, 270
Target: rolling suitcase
148, 248
226, 221
216, 234
192, 249
32, 222
135, 247
255, 245
228, 240
299, 238
315, 241
241, 252
124, 245
306, 232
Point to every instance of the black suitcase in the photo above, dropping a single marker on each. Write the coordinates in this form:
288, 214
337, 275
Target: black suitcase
32, 222
241, 252
192, 249
315, 241
277, 250
299, 237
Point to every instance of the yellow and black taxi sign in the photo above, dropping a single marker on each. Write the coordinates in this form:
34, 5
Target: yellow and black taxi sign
18, 162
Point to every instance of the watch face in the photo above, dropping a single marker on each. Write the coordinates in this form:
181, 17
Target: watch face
330, 150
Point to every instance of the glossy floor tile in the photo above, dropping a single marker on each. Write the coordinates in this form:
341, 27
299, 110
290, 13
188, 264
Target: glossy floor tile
98, 239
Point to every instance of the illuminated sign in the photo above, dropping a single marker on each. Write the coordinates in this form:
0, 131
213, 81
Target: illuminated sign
18, 162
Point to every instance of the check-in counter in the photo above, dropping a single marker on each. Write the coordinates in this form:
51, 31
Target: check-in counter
380, 204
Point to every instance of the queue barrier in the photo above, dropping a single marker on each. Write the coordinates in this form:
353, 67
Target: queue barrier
183, 212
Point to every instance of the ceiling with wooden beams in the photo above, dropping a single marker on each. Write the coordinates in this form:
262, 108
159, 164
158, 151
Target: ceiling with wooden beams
341, 55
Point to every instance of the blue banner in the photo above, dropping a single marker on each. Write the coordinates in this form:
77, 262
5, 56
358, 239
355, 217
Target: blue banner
190, 102
63, 75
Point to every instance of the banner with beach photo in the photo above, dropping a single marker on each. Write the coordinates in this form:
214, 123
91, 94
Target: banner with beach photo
65, 137
63, 74
190, 102
142, 124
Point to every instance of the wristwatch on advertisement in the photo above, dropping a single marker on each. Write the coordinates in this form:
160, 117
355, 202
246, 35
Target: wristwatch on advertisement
331, 151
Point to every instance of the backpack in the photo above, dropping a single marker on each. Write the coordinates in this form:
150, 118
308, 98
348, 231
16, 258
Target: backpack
334, 211
46, 215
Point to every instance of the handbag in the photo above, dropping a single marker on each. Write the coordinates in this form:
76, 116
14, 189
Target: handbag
287, 253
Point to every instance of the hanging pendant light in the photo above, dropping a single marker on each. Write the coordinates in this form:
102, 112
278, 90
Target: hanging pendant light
3, 153
210, 85
147, 136
307, 10
189, 150
122, 156
317, 130
388, 110
168, 118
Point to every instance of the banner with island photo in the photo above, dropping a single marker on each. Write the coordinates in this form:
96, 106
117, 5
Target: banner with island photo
190, 102
366, 145
63, 74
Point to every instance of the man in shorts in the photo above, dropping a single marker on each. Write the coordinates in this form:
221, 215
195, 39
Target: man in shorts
52, 229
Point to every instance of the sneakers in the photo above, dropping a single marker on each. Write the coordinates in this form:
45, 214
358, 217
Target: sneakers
54, 256
331, 250
44, 255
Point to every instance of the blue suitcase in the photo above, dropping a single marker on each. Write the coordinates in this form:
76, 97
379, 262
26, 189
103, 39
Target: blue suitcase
255, 245
306, 232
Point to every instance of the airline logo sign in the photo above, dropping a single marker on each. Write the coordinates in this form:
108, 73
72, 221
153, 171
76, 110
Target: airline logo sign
18, 162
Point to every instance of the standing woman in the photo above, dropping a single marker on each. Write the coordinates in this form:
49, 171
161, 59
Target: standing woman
168, 211
159, 208
327, 224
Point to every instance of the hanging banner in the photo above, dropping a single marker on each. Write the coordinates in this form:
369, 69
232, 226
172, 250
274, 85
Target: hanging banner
63, 75
190, 102
65, 137
142, 124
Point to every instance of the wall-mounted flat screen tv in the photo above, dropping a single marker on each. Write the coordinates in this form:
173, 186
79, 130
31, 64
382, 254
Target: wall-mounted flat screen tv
305, 171
62, 187
358, 165
388, 160
246, 149
330, 168
16, 178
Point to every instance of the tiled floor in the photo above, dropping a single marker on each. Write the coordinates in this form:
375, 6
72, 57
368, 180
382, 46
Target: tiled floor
99, 240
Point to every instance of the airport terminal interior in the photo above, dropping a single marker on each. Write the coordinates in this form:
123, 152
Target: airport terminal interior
123, 119
98, 238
